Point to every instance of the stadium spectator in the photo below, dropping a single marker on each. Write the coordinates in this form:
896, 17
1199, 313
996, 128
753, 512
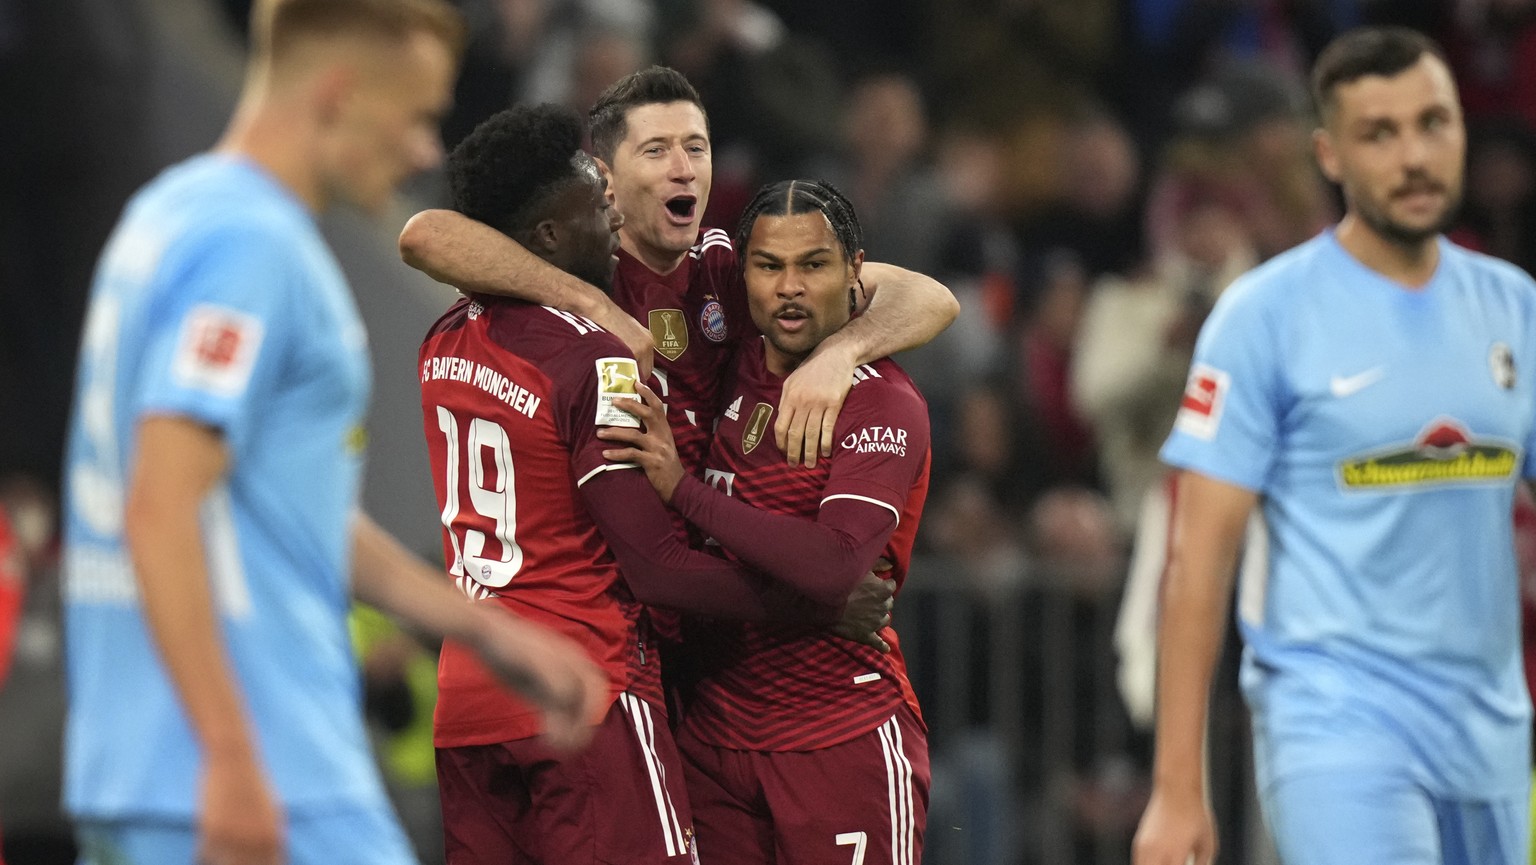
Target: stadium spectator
1499, 215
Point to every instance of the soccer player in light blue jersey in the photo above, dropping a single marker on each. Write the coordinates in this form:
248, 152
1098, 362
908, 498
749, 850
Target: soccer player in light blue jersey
1372, 393
212, 536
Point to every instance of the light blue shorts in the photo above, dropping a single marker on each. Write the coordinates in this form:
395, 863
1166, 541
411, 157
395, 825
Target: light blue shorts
1356, 816
344, 837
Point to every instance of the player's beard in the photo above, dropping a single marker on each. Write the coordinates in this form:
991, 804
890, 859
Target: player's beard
1375, 214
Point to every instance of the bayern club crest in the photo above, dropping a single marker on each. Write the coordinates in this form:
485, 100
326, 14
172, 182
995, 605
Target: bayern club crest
712, 321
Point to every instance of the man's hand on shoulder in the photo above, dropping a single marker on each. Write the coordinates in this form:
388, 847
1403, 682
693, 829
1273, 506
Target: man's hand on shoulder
635, 336
651, 447
812, 399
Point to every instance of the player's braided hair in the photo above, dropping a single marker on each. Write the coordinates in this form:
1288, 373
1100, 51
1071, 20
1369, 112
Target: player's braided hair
656, 85
793, 197
507, 171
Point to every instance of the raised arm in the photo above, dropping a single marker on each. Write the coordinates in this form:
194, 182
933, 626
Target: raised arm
1209, 519
902, 309
474, 257
544, 667
179, 461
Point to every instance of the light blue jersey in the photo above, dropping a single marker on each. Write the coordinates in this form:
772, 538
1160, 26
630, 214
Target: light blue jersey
217, 300
1385, 430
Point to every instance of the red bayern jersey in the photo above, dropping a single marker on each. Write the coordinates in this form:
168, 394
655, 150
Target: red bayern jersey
510, 401
770, 687
697, 316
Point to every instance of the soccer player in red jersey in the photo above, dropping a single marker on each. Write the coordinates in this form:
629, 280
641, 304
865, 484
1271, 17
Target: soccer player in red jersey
650, 134
537, 521
798, 744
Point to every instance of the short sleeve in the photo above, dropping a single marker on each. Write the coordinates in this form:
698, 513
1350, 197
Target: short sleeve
881, 446
1229, 417
219, 328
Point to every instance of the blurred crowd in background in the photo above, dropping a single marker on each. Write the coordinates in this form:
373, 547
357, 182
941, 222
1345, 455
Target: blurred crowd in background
1085, 175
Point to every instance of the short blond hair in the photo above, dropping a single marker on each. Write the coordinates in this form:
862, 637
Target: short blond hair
278, 25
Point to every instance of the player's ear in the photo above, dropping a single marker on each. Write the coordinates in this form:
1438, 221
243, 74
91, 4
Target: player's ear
546, 237
1327, 156
607, 175
858, 298
332, 89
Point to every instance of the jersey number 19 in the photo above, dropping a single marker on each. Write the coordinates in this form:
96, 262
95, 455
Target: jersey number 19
492, 503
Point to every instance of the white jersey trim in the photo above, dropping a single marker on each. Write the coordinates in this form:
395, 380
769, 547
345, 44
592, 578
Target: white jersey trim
898, 780
885, 505
639, 713
605, 467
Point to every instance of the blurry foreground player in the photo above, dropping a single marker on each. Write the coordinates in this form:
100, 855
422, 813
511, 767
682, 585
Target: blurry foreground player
1373, 391
212, 535
801, 747
536, 521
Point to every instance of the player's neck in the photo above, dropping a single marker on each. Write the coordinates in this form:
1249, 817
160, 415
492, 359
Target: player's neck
1409, 265
659, 261
779, 363
274, 138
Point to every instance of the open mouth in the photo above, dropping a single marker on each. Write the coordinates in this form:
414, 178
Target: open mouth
681, 208
791, 318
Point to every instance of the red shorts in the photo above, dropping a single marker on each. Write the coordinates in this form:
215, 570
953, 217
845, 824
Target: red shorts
864, 802
619, 802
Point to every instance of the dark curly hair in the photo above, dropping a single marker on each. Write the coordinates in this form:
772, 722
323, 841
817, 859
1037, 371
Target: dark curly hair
510, 168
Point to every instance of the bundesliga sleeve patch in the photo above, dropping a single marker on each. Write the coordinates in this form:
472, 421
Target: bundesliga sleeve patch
217, 349
1204, 397
616, 378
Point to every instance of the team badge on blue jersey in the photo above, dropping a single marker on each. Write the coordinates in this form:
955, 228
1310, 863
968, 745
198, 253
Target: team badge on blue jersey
1501, 362
712, 320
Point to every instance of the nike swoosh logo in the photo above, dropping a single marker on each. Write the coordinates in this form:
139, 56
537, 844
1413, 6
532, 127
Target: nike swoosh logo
1343, 386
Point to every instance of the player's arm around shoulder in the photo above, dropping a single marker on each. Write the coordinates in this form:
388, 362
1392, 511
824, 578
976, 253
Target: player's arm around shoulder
901, 309
474, 257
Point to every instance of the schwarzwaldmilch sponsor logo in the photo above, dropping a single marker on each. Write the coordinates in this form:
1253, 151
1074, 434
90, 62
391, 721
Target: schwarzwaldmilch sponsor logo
757, 425
1444, 453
